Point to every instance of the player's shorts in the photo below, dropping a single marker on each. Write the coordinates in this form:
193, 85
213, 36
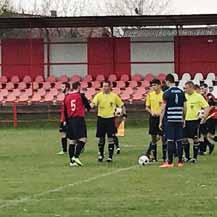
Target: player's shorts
211, 126
191, 129
76, 128
174, 131
154, 126
105, 126
62, 128
203, 129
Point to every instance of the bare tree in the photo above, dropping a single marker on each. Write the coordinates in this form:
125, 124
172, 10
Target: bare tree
136, 7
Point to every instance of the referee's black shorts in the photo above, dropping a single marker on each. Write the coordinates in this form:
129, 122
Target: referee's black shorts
154, 126
76, 128
105, 126
191, 129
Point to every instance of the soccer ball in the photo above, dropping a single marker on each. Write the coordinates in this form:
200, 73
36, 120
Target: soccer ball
118, 112
143, 160
201, 114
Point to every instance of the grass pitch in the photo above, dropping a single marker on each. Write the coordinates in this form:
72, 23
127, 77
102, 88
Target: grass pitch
35, 182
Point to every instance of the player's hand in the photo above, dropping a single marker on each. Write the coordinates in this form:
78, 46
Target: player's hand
184, 124
203, 121
64, 123
160, 126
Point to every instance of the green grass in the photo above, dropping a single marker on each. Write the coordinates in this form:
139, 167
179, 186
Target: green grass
29, 167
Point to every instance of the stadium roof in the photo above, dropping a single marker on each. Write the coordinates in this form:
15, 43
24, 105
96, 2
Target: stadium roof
108, 21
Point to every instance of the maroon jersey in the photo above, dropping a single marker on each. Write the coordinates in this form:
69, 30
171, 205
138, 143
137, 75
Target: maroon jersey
73, 105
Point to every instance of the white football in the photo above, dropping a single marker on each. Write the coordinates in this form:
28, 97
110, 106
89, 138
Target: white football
118, 112
143, 160
201, 114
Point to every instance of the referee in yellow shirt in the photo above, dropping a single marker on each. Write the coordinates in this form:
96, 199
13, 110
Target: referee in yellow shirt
154, 102
195, 103
106, 102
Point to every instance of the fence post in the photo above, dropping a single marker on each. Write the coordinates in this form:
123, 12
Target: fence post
14, 115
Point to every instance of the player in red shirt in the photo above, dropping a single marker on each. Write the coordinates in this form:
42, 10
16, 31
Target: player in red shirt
62, 129
74, 109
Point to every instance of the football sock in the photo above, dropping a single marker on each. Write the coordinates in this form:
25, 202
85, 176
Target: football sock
116, 141
111, 150
187, 150
195, 150
207, 143
79, 147
203, 146
71, 151
180, 151
164, 151
64, 144
149, 149
101, 146
154, 150
171, 147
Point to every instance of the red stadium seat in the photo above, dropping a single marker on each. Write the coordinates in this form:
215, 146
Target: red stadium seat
35, 85
133, 84
129, 91
96, 84
49, 97
23, 98
1, 98
16, 92
51, 79
148, 77
27, 79
145, 84
11, 98
100, 78
15, 79
125, 96
88, 78
60, 97
1, 86
138, 97
39, 79
36, 97
3, 79
41, 92
47, 85
4, 92
63, 78
54, 91
137, 77
121, 84
10, 86
161, 76
112, 78
22, 86
125, 78
76, 78
58, 85
116, 90
28, 92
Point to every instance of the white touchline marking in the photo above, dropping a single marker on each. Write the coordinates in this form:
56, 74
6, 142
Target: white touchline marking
59, 189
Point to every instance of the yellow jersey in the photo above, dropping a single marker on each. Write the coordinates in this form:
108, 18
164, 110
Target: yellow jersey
106, 104
195, 102
154, 101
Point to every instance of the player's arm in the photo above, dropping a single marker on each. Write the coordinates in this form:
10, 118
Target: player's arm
163, 109
148, 105
85, 102
94, 102
204, 104
65, 112
120, 103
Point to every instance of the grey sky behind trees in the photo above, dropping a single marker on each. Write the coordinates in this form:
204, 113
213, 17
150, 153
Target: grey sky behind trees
98, 7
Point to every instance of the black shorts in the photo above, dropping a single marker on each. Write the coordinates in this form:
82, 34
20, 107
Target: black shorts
203, 129
174, 131
76, 128
62, 128
105, 126
191, 129
154, 126
211, 125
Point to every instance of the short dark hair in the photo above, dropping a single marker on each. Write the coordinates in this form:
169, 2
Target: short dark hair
75, 85
170, 78
155, 81
196, 86
190, 83
204, 85
67, 85
107, 82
